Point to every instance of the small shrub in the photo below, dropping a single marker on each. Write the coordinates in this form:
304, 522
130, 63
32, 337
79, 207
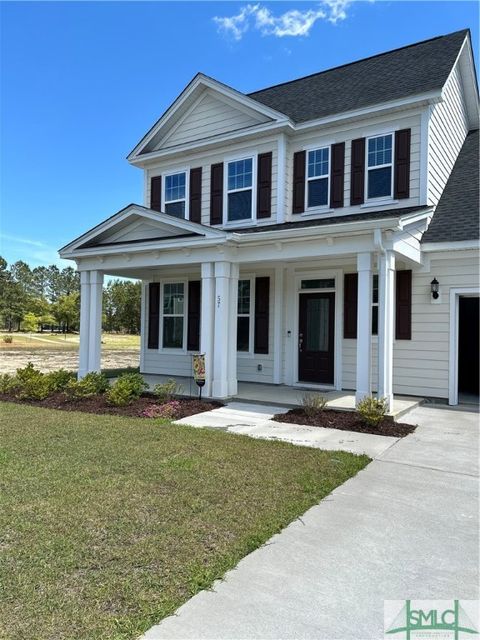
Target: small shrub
313, 403
8, 383
167, 390
372, 410
34, 388
126, 389
59, 380
91, 384
167, 411
27, 373
8, 339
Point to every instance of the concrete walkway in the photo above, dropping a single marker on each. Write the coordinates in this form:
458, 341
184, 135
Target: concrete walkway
255, 420
404, 527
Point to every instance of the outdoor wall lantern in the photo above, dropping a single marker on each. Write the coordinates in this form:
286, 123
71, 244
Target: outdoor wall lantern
434, 288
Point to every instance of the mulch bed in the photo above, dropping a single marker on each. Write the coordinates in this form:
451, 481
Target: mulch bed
98, 404
346, 421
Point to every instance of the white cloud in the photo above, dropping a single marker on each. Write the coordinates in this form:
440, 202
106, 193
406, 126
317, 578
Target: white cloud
290, 23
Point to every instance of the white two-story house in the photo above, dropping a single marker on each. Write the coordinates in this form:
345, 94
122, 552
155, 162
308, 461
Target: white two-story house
320, 233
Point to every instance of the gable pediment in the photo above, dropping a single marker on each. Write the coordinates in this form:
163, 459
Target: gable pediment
205, 109
210, 115
136, 225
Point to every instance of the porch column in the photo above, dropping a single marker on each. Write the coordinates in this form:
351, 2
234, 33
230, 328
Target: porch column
207, 320
386, 302
84, 323
364, 326
221, 349
95, 336
232, 330
278, 311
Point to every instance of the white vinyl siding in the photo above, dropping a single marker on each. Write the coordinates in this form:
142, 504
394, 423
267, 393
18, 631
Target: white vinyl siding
347, 133
421, 365
447, 131
206, 159
211, 116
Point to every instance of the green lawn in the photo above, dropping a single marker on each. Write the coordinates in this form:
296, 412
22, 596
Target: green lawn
69, 341
108, 524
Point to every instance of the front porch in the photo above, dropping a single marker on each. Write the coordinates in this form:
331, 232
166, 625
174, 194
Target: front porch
285, 396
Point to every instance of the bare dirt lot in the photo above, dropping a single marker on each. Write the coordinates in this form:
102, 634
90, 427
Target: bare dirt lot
51, 352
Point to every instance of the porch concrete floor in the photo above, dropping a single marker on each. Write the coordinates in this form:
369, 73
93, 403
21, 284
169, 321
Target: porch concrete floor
283, 396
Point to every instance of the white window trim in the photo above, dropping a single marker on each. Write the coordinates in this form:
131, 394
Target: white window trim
173, 172
251, 326
387, 198
324, 207
253, 218
173, 350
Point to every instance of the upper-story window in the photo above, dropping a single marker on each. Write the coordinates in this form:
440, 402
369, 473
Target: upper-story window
240, 190
379, 167
318, 177
176, 194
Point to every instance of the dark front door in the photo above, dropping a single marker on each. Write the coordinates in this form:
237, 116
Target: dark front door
316, 337
468, 346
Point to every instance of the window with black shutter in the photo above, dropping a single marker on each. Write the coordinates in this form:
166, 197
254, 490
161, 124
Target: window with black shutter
262, 307
350, 305
153, 314
403, 305
193, 325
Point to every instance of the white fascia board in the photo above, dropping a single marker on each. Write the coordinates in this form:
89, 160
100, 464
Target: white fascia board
418, 100
184, 243
140, 161
458, 245
198, 81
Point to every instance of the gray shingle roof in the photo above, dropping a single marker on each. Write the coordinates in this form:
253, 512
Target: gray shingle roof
457, 214
404, 72
319, 222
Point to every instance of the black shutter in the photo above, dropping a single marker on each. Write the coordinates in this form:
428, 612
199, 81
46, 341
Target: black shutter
403, 305
262, 307
153, 314
216, 193
264, 185
357, 175
338, 175
402, 164
193, 328
350, 305
196, 195
156, 193
298, 205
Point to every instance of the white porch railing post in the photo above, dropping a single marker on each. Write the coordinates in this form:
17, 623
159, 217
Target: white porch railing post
386, 302
364, 326
84, 323
221, 336
232, 330
207, 322
95, 337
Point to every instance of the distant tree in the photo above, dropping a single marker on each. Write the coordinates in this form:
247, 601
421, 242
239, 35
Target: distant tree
66, 311
122, 306
30, 322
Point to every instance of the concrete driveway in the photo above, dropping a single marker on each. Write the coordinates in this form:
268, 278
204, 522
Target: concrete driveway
404, 527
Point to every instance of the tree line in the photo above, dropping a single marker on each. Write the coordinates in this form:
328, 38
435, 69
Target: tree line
46, 298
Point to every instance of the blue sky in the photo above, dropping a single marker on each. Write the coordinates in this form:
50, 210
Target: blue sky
81, 82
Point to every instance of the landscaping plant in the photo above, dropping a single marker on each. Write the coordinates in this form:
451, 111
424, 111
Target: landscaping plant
372, 410
90, 385
59, 380
167, 411
167, 390
8, 339
127, 388
313, 403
